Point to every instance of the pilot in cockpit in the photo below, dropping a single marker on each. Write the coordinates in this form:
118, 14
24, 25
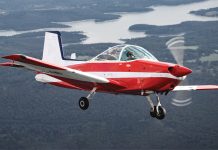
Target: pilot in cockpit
130, 55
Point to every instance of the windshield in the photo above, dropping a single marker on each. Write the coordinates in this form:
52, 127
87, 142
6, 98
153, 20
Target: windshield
124, 53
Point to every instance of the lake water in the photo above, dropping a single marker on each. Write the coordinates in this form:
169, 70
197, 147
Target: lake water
115, 30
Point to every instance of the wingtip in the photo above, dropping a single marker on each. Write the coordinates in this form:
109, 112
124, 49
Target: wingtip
8, 56
14, 57
5, 57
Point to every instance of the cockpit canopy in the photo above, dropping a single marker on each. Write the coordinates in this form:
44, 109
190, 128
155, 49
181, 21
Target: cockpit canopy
124, 53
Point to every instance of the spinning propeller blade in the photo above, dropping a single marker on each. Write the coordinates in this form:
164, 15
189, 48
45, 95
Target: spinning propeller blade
177, 47
182, 98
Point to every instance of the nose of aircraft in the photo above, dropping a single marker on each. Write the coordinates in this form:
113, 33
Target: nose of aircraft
179, 71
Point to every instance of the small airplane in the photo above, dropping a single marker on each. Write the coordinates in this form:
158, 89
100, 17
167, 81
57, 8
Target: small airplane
121, 69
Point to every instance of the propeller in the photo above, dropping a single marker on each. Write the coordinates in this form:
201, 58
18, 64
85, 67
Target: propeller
182, 98
177, 47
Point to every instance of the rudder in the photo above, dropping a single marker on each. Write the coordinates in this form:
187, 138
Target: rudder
52, 51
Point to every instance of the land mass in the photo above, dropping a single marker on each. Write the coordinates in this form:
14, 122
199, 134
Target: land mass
211, 12
41, 14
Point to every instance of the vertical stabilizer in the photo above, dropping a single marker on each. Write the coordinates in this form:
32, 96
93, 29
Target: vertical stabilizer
52, 51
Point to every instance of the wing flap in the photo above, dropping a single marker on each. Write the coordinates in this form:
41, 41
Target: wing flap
195, 87
47, 68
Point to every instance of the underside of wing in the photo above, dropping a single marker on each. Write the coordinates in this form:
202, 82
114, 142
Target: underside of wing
196, 87
50, 69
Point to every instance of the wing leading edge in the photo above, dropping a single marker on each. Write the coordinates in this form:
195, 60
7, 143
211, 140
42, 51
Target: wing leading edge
195, 87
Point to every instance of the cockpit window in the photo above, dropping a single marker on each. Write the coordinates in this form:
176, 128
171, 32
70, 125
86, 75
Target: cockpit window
135, 52
112, 53
124, 53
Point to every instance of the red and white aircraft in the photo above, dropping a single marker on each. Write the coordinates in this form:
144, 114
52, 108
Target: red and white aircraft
122, 69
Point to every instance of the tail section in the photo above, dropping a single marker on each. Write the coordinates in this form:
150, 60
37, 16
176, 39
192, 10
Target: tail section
52, 51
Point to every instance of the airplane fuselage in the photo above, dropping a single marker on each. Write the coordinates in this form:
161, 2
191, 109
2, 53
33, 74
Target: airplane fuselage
139, 76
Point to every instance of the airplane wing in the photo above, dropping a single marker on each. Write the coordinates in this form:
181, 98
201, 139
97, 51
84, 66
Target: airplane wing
47, 68
195, 87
